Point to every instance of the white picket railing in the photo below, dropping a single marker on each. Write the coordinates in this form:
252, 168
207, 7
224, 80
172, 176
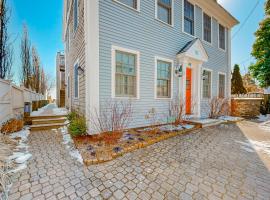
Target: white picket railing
12, 99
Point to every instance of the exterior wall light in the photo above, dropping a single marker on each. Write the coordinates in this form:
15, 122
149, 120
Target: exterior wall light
179, 71
204, 75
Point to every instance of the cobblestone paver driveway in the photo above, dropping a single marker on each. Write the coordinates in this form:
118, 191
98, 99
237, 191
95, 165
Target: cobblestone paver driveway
206, 164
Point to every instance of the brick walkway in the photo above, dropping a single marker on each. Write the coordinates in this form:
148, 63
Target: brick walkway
208, 164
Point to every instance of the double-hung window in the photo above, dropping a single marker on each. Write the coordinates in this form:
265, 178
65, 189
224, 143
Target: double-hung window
221, 85
164, 11
188, 17
164, 71
131, 3
75, 14
76, 81
125, 74
207, 84
207, 28
222, 40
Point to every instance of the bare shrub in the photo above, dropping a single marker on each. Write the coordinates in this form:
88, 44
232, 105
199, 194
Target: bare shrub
152, 118
219, 107
115, 116
177, 109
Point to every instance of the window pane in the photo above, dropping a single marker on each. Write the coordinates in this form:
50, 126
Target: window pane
125, 77
75, 14
207, 84
76, 81
163, 79
131, 3
221, 37
164, 11
207, 27
221, 86
188, 17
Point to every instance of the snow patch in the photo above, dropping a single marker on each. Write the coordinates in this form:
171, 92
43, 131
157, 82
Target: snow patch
40, 110
250, 145
68, 142
230, 118
20, 155
23, 158
60, 111
264, 118
265, 126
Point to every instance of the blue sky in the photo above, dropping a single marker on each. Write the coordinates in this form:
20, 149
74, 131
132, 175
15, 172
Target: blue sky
44, 20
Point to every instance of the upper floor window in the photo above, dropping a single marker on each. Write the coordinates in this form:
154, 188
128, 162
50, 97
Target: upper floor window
130, 3
188, 17
75, 13
207, 84
76, 81
221, 85
164, 71
207, 28
125, 74
164, 11
222, 43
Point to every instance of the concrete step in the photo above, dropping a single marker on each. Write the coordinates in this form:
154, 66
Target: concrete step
45, 117
46, 126
49, 121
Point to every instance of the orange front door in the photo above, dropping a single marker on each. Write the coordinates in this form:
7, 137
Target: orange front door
188, 90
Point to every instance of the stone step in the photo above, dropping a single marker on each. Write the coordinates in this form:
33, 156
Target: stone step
46, 126
45, 117
49, 121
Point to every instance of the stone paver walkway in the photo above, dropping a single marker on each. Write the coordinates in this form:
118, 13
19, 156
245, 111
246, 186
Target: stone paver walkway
207, 164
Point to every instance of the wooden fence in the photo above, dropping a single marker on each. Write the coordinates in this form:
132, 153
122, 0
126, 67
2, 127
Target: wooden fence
13, 98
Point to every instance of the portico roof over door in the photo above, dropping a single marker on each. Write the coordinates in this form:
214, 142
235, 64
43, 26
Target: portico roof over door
194, 50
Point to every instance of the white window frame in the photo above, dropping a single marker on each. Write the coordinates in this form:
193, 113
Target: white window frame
76, 63
203, 28
225, 84
172, 73
225, 38
113, 67
172, 14
138, 5
183, 18
211, 93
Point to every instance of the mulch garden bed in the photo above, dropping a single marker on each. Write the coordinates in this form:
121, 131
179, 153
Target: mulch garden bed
105, 147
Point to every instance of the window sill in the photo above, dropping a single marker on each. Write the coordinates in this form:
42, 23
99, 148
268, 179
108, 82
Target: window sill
131, 8
224, 50
126, 98
208, 43
162, 22
189, 34
164, 99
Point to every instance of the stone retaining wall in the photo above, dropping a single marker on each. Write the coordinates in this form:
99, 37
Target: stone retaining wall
246, 107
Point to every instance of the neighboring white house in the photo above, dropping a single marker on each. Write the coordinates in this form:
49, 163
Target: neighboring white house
149, 51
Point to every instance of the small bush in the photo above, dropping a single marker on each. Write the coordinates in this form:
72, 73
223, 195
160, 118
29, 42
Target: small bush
72, 115
77, 127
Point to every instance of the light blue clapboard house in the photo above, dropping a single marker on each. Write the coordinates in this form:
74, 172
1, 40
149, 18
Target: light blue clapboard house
149, 51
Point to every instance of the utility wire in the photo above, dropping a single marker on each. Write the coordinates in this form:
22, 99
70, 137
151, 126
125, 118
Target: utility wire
247, 18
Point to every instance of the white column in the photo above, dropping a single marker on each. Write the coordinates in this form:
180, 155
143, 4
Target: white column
199, 90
